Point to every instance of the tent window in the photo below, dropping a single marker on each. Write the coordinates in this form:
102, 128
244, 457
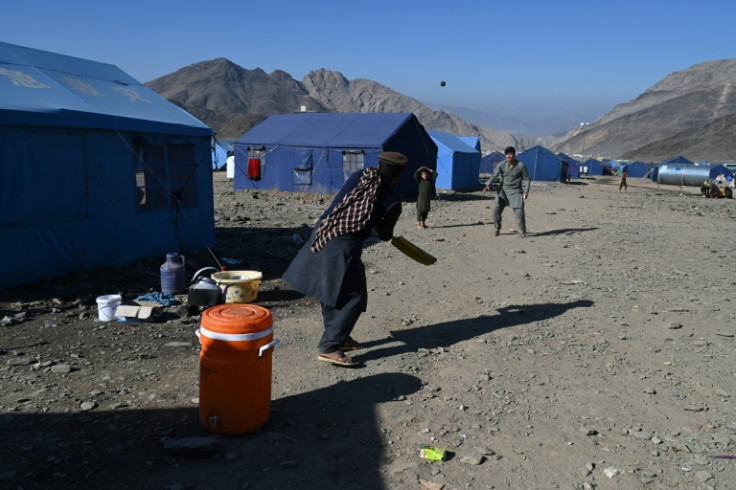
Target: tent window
165, 175
352, 161
301, 170
256, 162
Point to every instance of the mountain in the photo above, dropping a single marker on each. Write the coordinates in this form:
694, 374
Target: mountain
529, 126
339, 94
690, 113
229, 98
232, 99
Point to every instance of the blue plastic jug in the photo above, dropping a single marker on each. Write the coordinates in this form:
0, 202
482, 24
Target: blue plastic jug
173, 274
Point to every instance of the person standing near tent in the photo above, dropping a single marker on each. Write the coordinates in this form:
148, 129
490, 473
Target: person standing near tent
425, 177
328, 266
624, 174
515, 184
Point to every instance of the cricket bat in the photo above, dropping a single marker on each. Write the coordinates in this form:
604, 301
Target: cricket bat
412, 251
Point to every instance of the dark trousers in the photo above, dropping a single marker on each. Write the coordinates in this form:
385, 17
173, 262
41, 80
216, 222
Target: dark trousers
340, 320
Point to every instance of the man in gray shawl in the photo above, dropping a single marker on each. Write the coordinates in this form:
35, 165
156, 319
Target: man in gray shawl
515, 183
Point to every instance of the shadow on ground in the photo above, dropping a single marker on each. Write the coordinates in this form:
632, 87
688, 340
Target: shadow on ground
324, 438
564, 231
450, 333
268, 250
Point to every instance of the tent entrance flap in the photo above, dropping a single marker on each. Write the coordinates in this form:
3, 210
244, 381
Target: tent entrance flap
301, 170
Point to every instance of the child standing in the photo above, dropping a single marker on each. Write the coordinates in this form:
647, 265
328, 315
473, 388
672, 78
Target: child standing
425, 178
622, 184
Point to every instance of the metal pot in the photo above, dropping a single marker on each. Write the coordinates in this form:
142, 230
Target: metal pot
204, 291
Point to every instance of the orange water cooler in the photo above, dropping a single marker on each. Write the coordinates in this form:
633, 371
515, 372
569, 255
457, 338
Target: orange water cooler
235, 365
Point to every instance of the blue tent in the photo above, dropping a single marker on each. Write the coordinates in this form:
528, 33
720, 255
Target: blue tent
457, 163
638, 169
716, 170
573, 166
592, 167
488, 162
97, 169
317, 152
616, 167
678, 160
471, 141
219, 156
541, 164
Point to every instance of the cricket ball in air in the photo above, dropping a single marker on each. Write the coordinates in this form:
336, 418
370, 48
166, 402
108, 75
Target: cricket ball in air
442, 83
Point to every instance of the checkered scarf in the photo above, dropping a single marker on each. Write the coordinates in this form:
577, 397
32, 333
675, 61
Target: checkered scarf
352, 213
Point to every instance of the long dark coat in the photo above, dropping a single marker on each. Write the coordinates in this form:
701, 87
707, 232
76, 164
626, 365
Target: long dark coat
426, 190
337, 268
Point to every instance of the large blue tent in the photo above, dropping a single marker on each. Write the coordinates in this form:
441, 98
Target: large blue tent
541, 164
592, 167
637, 169
489, 162
457, 162
573, 166
97, 169
317, 152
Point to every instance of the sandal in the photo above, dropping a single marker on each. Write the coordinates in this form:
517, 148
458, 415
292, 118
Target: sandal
350, 344
339, 359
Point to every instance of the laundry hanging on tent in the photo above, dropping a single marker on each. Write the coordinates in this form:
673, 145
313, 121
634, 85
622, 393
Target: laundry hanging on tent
254, 169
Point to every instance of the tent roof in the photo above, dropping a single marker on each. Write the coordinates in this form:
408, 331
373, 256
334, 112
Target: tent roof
540, 150
677, 160
472, 141
567, 158
326, 129
496, 156
720, 169
451, 142
39, 88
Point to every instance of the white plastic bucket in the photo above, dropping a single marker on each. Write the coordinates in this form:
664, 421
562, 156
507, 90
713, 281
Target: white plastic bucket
106, 306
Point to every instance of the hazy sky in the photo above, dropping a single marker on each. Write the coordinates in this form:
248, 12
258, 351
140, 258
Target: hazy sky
543, 57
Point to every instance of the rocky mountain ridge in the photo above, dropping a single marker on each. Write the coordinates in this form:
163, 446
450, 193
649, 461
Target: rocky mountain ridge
232, 99
691, 112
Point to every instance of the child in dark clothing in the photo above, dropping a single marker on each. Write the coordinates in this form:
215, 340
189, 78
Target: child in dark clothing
622, 184
425, 178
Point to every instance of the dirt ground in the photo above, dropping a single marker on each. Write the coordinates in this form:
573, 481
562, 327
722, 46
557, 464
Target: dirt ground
598, 352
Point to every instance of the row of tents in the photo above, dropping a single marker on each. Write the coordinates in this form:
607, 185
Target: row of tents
314, 152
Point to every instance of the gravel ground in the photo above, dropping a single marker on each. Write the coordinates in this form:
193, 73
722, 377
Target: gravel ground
596, 353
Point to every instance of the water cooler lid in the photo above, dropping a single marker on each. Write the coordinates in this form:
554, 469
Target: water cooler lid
237, 318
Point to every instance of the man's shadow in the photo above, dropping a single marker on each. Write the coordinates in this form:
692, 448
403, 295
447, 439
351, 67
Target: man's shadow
449, 333
564, 231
